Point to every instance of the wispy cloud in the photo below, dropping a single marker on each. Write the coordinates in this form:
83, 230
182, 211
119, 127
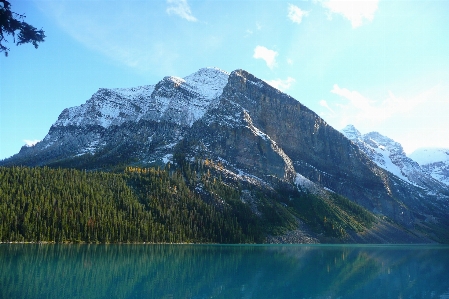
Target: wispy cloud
134, 42
356, 11
355, 108
252, 30
280, 84
365, 109
414, 121
324, 104
180, 8
269, 56
358, 101
295, 14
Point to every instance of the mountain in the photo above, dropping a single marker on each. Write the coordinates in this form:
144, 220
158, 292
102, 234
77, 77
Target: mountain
138, 124
258, 140
434, 162
389, 155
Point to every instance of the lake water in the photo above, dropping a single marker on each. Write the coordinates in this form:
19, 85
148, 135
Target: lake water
223, 271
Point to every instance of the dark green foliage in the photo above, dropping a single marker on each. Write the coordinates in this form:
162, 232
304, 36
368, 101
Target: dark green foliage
332, 215
437, 231
12, 23
360, 216
182, 212
188, 203
206, 181
66, 205
141, 205
276, 218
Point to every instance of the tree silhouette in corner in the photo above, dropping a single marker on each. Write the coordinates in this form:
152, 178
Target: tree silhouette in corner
12, 24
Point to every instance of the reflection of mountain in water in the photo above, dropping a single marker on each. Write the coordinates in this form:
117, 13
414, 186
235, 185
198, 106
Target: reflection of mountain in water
196, 271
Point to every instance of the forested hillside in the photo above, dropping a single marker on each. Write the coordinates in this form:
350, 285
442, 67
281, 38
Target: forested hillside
66, 205
187, 204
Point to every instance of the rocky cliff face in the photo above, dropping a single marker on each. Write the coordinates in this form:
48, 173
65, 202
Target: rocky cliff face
252, 130
256, 129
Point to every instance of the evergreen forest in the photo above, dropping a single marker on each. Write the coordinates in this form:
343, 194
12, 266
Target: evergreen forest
187, 204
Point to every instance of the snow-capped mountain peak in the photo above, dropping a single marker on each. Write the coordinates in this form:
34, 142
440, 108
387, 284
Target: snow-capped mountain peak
241, 125
430, 155
181, 100
351, 133
383, 143
107, 107
434, 161
185, 100
389, 155
208, 81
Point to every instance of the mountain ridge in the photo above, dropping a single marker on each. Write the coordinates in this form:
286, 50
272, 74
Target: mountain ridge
250, 131
434, 161
389, 155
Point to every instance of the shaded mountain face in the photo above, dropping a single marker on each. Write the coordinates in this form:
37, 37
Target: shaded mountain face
258, 130
253, 131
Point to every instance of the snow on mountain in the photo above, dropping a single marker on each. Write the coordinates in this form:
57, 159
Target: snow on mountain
434, 161
108, 107
426, 156
304, 183
111, 114
389, 155
258, 133
385, 152
184, 101
208, 82
173, 99
352, 133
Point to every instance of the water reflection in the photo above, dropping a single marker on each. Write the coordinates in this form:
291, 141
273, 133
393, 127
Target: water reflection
213, 271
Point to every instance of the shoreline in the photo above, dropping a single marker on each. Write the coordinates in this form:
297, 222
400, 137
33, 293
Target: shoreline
232, 244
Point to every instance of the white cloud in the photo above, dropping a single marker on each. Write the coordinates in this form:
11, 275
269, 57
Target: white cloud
295, 14
180, 8
360, 109
356, 100
365, 110
30, 142
417, 120
269, 56
356, 11
280, 84
324, 104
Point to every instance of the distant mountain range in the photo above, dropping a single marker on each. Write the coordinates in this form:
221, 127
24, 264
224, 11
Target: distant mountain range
434, 162
425, 168
255, 138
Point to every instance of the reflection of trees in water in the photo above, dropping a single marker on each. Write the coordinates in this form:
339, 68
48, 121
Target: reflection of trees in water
197, 271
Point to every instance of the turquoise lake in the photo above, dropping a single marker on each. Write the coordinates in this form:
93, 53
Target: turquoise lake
223, 271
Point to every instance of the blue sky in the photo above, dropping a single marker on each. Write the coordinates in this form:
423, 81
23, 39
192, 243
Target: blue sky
379, 65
